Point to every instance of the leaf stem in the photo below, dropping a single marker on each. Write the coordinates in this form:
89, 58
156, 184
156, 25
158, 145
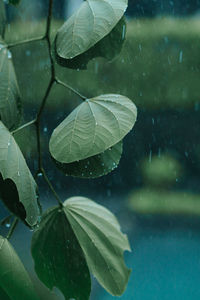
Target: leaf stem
51, 187
12, 228
70, 88
5, 220
26, 41
23, 126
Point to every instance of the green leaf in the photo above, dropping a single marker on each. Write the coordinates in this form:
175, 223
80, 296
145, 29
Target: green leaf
109, 47
94, 166
10, 102
14, 169
2, 17
14, 280
92, 22
59, 260
94, 126
102, 242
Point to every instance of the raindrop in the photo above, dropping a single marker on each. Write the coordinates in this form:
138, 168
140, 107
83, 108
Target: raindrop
181, 57
7, 225
140, 47
28, 52
18, 173
123, 32
90, 173
9, 55
150, 156
153, 121
186, 154
176, 179
45, 129
96, 66
39, 174
8, 143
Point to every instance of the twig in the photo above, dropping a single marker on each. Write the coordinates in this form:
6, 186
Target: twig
5, 220
51, 187
23, 126
26, 41
70, 88
12, 228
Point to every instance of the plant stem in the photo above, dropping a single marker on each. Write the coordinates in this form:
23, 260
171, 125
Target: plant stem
12, 228
26, 41
23, 126
51, 187
70, 88
5, 220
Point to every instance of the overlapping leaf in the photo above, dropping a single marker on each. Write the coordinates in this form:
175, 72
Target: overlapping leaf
10, 103
14, 280
109, 47
2, 17
59, 260
93, 127
94, 166
92, 22
102, 242
13, 167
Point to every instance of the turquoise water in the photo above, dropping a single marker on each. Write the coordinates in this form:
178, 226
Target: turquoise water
165, 264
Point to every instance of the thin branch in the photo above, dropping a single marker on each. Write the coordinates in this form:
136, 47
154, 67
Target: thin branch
23, 126
5, 220
26, 42
51, 188
48, 25
12, 228
70, 88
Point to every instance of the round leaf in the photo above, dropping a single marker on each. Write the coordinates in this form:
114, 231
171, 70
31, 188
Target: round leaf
10, 102
14, 280
102, 242
93, 127
59, 260
13, 167
92, 22
94, 166
109, 47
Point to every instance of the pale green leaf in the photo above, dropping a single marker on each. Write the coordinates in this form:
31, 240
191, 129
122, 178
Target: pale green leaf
13, 167
10, 102
92, 22
94, 166
59, 260
94, 126
102, 242
14, 280
108, 47
2, 17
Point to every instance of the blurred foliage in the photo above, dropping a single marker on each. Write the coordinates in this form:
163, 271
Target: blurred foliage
152, 201
161, 170
158, 67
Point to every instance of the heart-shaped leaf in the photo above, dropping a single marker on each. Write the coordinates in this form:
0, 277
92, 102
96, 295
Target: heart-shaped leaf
2, 17
14, 280
59, 260
10, 102
94, 126
13, 167
109, 47
94, 166
102, 242
92, 22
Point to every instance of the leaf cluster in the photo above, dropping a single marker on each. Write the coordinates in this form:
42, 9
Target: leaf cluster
77, 237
